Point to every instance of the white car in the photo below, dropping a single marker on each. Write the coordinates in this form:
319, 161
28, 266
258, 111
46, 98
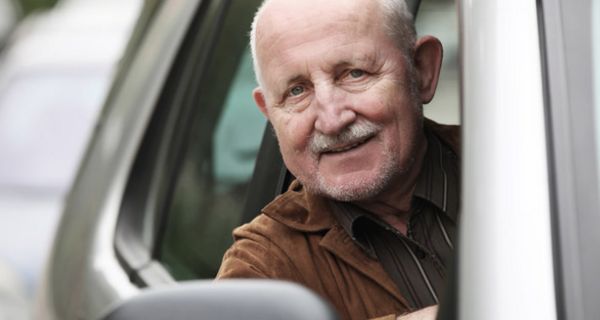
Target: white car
54, 78
181, 157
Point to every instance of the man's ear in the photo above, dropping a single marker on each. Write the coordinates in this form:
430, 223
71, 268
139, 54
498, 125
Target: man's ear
428, 62
261, 102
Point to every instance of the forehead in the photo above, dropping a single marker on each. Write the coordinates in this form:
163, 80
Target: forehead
296, 19
291, 33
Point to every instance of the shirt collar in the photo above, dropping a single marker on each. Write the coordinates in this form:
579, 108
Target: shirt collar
439, 180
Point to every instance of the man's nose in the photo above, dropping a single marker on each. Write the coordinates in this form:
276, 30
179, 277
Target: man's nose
334, 112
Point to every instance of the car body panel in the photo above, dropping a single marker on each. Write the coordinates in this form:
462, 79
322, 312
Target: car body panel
506, 228
84, 277
567, 28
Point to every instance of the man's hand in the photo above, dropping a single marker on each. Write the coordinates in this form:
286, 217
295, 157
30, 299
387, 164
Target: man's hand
428, 313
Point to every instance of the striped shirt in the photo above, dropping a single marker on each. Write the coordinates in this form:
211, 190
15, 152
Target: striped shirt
416, 262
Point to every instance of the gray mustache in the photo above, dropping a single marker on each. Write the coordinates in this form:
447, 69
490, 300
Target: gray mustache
355, 133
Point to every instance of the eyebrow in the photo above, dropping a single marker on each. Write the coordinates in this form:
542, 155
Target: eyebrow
368, 58
294, 79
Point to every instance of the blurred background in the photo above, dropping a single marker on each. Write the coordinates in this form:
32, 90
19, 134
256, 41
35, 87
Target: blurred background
57, 60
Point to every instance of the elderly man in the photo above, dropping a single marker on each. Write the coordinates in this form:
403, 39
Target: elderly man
369, 223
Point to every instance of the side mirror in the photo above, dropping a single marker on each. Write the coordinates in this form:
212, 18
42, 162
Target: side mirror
225, 299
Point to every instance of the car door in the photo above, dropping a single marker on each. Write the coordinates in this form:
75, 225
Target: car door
530, 170
570, 36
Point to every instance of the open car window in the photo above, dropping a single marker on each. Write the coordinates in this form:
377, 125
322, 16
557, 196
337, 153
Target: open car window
213, 179
212, 182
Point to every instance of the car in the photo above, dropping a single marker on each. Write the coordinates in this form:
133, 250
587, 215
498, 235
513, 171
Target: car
181, 156
10, 13
54, 76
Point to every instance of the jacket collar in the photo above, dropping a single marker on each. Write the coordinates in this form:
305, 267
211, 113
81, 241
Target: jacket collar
304, 212
338, 242
301, 210
439, 179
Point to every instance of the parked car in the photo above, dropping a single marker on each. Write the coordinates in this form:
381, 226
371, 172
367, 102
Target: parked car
181, 156
10, 12
54, 78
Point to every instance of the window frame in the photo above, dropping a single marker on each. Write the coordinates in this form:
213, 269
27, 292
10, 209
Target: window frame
144, 212
146, 193
505, 251
567, 57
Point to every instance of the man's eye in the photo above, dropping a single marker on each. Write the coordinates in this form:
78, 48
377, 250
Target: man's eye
357, 73
296, 91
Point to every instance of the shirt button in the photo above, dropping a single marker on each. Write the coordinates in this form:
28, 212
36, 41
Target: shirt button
420, 254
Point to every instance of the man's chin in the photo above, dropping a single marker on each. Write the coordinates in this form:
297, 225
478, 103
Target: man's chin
347, 191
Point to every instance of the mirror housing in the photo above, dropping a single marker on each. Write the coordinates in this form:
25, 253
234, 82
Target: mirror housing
225, 299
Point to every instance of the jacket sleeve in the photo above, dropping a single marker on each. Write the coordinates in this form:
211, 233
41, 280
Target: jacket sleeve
245, 259
262, 249
255, 254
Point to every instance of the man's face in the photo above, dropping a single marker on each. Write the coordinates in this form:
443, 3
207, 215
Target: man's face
340, 96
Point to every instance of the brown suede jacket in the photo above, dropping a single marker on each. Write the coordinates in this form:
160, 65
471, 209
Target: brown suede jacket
296, 238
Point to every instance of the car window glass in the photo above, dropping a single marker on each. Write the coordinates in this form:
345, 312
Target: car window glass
238, 133
438, 18
211, 186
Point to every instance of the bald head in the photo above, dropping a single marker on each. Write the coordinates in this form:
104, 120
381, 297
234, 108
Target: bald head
393, 16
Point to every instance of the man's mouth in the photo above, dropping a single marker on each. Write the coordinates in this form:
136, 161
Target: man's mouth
351, 138
346, 147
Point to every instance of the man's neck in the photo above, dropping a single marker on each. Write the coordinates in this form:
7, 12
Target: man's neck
393, 206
